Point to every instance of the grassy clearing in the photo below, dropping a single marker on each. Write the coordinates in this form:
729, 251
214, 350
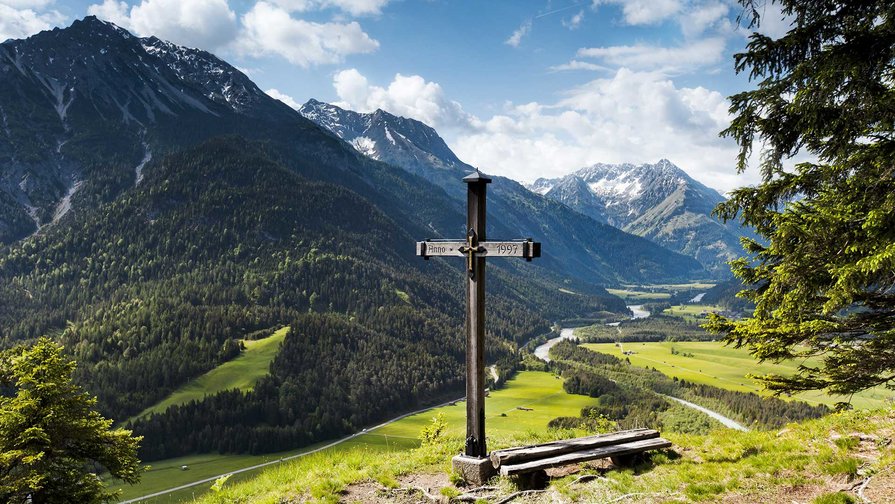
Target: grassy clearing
639, 295
240, 373
713, 363
692, 312
675, 287
539, 392
800, 463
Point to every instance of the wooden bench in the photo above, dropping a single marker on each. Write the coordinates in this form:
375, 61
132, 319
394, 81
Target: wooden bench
617, 446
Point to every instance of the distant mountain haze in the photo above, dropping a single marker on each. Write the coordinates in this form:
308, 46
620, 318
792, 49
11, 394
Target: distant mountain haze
657, 201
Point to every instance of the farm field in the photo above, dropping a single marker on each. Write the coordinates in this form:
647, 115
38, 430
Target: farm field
713, 363
540, 393
240, 373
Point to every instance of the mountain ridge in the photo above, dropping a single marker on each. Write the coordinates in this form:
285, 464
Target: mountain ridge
587, 246
658, 201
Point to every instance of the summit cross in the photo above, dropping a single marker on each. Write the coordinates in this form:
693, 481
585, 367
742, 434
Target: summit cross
475, 248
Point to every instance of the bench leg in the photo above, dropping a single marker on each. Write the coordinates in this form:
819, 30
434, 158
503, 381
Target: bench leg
532, 481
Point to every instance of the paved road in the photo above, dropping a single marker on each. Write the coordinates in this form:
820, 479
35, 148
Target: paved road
284, 459
717, 416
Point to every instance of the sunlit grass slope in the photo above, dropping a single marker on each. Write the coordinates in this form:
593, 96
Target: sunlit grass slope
541, 394
807, 462
714, 363
240, 373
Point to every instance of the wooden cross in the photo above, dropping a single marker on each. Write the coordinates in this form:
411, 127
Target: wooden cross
475, 249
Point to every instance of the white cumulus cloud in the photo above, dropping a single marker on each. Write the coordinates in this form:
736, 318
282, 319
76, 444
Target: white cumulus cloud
271, 30
353, 7
688, 57
288, 100
577, 65
23, 18
575, 21
520, 33
628, 116
644, 12
207, 24
407, 95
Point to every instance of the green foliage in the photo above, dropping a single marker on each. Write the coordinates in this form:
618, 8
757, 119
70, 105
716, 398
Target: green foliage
220, 482
835, 498
449, 492
822, 284
52, 443
434, 431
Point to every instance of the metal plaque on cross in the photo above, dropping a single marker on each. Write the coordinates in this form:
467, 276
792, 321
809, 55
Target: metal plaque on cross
475, 248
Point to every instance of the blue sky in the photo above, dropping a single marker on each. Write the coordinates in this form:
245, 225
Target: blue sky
518, 88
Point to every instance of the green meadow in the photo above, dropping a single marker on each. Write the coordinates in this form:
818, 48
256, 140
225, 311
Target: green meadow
240, 373
540, 394
714, 363
692, 312
638, 295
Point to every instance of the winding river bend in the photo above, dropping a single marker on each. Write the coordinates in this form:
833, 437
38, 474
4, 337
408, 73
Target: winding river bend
543, 352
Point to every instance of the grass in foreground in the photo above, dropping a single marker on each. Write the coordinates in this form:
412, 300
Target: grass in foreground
240, 373
540, 393
808, 462
714, 363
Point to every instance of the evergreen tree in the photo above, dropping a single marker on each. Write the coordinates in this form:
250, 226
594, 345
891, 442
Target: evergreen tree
52, 443
824, 282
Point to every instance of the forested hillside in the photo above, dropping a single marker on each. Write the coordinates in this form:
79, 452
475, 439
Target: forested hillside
220, 241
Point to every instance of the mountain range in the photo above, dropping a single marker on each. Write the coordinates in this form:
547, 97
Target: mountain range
656, 201
156, 207
578, 244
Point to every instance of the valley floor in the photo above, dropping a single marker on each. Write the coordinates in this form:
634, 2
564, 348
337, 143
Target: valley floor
713, 363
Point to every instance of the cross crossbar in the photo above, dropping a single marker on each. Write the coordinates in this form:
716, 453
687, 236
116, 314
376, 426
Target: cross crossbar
516, 248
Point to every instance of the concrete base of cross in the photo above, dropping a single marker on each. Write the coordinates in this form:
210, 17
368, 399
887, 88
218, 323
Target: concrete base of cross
473, 470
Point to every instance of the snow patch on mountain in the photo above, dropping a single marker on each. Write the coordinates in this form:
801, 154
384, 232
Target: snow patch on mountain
365, 145
628, 187
147, 157
65, 203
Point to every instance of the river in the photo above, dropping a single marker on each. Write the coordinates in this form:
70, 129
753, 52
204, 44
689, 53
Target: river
543, 352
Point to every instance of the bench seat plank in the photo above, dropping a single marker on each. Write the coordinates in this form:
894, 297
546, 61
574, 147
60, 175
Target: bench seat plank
555, 448
617, 450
